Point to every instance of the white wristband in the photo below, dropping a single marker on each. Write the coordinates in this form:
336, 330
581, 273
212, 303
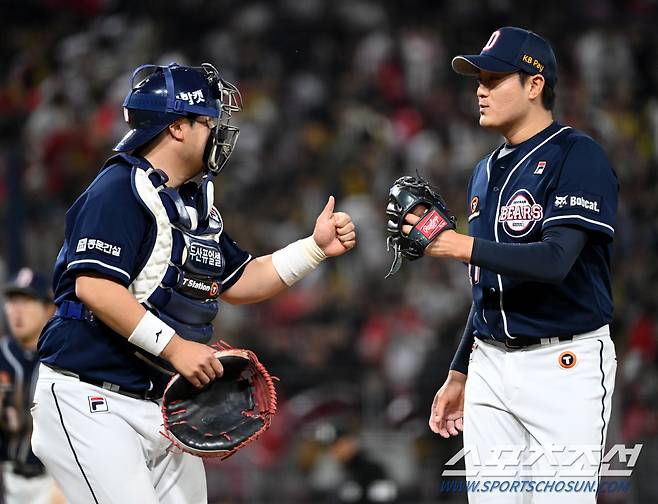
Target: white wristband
297, 260
151, 334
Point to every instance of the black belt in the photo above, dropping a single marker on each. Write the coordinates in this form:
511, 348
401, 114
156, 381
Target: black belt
74, 310
112, 387
527, 341
146, 394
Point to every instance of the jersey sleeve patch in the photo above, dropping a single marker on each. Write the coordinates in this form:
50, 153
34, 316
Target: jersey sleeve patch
586, 191
106, 228
578, 200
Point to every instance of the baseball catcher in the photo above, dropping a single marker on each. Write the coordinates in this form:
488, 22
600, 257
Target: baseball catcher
406, 195
139, 282
230, 412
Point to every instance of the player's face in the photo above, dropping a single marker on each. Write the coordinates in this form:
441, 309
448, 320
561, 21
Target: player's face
198, 134
501, 100
26, 316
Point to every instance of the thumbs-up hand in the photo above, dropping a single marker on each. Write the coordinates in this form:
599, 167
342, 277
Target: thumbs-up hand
334, 232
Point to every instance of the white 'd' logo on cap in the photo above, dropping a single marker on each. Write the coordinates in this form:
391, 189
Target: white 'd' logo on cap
24, 277
492, 40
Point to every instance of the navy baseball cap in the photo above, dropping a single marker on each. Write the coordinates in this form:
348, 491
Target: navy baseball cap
511, 49
29, 283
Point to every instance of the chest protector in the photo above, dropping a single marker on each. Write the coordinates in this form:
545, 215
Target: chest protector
181, 278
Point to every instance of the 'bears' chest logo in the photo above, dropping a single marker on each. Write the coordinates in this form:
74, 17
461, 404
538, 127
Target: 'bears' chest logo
520, 214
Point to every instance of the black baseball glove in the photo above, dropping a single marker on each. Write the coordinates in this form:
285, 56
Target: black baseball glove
225, 415
404, 196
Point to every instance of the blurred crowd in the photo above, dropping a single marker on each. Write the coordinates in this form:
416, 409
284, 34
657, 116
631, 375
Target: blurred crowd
342, 97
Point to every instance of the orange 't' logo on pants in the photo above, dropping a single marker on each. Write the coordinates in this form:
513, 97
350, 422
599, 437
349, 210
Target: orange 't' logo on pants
567, 360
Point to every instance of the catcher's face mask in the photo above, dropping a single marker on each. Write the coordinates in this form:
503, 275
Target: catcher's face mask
223, 136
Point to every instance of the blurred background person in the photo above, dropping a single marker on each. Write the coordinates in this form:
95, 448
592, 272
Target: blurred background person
28, 306
342, 471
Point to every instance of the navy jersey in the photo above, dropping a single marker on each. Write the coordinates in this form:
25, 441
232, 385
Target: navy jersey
110, 233
558, 177
18, 372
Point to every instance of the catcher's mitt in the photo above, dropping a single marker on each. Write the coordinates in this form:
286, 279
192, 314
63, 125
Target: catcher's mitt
405, 195
226, 414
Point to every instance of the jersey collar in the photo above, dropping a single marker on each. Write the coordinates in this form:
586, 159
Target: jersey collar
533, 141
523, 148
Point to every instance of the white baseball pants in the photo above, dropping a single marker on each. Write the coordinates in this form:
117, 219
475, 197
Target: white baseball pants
106, 448
524, 405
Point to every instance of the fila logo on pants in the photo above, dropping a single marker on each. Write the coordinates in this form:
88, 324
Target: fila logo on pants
97, 404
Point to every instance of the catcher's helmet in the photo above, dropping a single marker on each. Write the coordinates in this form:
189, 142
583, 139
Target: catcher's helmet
173, 91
